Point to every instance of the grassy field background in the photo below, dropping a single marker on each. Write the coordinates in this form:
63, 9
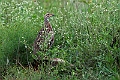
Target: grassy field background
87, 35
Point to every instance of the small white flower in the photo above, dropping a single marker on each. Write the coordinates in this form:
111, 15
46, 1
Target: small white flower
25, 46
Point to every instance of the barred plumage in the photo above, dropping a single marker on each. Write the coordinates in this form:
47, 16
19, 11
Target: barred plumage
45, 37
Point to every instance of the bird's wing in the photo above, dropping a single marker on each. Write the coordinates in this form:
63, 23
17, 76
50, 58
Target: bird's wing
49, 39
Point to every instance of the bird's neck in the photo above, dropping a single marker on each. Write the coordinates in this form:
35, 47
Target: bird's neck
46, 21
47, 24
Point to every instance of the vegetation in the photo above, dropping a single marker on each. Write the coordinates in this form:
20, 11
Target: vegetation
87, 35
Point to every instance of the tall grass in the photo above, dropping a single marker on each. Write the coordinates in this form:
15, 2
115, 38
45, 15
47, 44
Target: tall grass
87, 35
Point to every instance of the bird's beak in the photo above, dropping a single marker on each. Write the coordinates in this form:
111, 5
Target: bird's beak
52, 15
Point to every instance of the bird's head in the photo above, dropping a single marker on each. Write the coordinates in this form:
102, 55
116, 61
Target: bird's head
48, 15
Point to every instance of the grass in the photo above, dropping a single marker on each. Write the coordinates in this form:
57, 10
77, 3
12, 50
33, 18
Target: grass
87, 35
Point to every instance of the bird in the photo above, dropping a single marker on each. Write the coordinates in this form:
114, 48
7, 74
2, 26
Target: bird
45, 37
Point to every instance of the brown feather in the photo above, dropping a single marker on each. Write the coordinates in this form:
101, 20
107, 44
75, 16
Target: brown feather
40, 39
